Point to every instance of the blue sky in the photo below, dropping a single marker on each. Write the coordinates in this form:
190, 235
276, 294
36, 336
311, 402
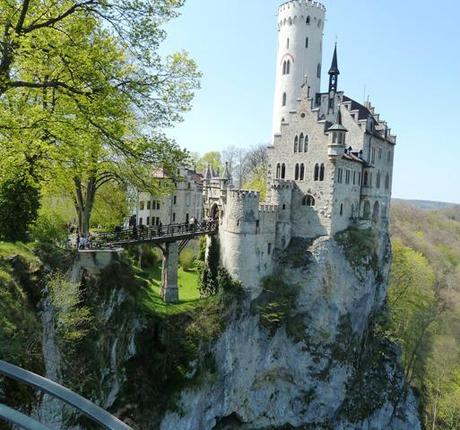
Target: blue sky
405, 53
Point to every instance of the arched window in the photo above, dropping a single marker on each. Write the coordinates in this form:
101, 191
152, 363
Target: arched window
316, 172
284, 67
367, 210
341, 209
308, 20
321, 173
378, 180
366, 179
288, 67
306, 42
302, 172
284, 99
376, 212
318, 70
278, 171
309, 201
283, 171
301, 142
305, 145
296, 144
296, 173
387, 182
287, 43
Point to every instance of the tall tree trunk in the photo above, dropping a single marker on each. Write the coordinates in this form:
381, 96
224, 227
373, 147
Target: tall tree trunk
84, 202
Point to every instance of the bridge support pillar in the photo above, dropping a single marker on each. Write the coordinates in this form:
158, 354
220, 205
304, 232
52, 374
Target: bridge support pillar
169, 284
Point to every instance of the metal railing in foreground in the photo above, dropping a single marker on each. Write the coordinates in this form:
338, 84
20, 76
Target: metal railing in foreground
87, 408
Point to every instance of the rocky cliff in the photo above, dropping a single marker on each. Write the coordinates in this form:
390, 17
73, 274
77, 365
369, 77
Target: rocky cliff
309, 352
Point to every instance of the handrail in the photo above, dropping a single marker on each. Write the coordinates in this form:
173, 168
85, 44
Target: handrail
88, 408
19, 419
145, 233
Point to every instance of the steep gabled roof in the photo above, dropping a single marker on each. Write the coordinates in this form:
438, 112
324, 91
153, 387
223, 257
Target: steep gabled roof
363, 111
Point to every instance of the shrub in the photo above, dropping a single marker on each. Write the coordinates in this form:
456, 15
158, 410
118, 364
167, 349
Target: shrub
19, 204
49, 228
360, 247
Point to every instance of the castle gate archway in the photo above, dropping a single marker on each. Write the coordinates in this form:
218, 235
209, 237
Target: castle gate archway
214, 214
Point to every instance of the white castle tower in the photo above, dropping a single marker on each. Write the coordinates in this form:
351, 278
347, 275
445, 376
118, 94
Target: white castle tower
300, 43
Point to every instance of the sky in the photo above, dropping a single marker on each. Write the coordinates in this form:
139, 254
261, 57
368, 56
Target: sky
404, 55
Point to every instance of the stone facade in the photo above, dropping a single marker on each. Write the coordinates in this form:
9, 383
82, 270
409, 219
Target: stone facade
330, 163
185, 202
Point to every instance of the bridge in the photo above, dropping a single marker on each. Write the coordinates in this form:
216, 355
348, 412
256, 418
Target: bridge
93, 412
171, 239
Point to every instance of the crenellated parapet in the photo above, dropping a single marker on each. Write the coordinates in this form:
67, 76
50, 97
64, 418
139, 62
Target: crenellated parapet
268, 208
296, 5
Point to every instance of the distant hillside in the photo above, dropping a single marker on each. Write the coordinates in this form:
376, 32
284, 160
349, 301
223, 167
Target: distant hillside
426, 204
424, 304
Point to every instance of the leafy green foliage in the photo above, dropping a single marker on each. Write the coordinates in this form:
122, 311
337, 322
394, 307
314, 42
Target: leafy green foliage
20, 327
359, 247
209, 284
424, 306
85, 94
258, 182
213, 158
73, 319
50, 228
19, 204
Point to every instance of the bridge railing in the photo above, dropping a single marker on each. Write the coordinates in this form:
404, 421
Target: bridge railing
145, 233
93, 412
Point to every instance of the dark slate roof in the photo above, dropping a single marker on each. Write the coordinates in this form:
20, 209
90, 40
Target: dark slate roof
354, 156
363, 111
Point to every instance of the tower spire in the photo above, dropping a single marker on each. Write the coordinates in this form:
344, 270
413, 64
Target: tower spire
334, 72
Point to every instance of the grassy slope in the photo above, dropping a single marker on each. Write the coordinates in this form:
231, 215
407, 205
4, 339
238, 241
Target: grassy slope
20, 328
189, 294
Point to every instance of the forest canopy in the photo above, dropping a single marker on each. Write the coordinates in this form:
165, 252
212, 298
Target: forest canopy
85, 96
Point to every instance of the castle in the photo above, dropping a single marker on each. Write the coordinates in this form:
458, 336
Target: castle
330, 163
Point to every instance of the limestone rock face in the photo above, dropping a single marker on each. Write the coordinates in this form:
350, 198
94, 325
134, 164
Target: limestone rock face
315, 361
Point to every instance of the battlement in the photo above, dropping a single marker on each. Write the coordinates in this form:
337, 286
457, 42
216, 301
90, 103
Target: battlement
279, 184
245, 194
298, 4
268, 208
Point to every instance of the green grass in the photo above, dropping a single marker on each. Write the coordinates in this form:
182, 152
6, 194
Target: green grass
8, 250
189, 294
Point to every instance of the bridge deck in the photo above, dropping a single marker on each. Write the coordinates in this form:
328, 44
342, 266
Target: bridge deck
153, 235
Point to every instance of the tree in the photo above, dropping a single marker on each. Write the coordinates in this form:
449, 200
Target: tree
213, 159
19, 204
257, 168
90, 92
414, 307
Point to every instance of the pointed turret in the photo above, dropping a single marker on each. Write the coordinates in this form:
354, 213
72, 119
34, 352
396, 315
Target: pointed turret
334, 73
208, 174
227, 175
